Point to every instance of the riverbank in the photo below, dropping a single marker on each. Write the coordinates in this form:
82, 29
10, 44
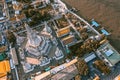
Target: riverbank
105, 12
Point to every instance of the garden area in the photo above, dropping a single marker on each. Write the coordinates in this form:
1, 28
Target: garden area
37, 16
62, 22
80, 49
100, 65
82, 67
24, 1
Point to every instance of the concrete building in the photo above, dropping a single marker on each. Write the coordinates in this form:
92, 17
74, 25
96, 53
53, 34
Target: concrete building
27, 67
40, 3
4, 15
108, 54
70, 69
14, 56
66, 74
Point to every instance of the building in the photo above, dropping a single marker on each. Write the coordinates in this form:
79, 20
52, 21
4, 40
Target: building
27, 67
63, 31
108, 54
4, 15
117, 78
20, 39
66, 74
14, 56
36, 47
4, 68
58, 54
68, 40
57, 69
60, 6
32, 61
2, 56
40, 3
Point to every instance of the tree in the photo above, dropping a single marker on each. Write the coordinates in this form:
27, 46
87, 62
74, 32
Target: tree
77, 77
31, 12
24, 1
84, 36
90, 45
102, 66
81, 30
82, 67
10, 37
52, 1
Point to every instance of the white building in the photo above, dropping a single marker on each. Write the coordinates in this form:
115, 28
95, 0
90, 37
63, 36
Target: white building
58, 54
36, 45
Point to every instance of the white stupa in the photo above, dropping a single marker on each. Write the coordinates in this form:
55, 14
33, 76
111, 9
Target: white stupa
20, 39
47, 28
36, 45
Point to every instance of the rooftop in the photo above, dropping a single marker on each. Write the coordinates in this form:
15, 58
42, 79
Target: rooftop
2, 56
68, 40
118, 77
66, 74
63, 31
110, 53
4, 67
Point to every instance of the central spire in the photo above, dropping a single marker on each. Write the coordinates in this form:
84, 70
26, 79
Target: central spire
32, 37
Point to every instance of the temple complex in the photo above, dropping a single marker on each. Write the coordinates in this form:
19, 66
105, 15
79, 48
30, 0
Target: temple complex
38, 48
36, 45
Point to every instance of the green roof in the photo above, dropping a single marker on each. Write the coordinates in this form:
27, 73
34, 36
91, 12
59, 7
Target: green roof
110, 53
2, 56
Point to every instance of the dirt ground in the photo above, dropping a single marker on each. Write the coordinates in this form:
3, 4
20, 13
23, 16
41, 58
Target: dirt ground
105, 12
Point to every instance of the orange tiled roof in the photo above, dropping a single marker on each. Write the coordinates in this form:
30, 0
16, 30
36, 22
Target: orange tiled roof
4, 67
117, 78
2, 75
63, 31
97, 78
3, 78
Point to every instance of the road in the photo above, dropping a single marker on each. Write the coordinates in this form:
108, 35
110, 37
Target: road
58, 40
84, 22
